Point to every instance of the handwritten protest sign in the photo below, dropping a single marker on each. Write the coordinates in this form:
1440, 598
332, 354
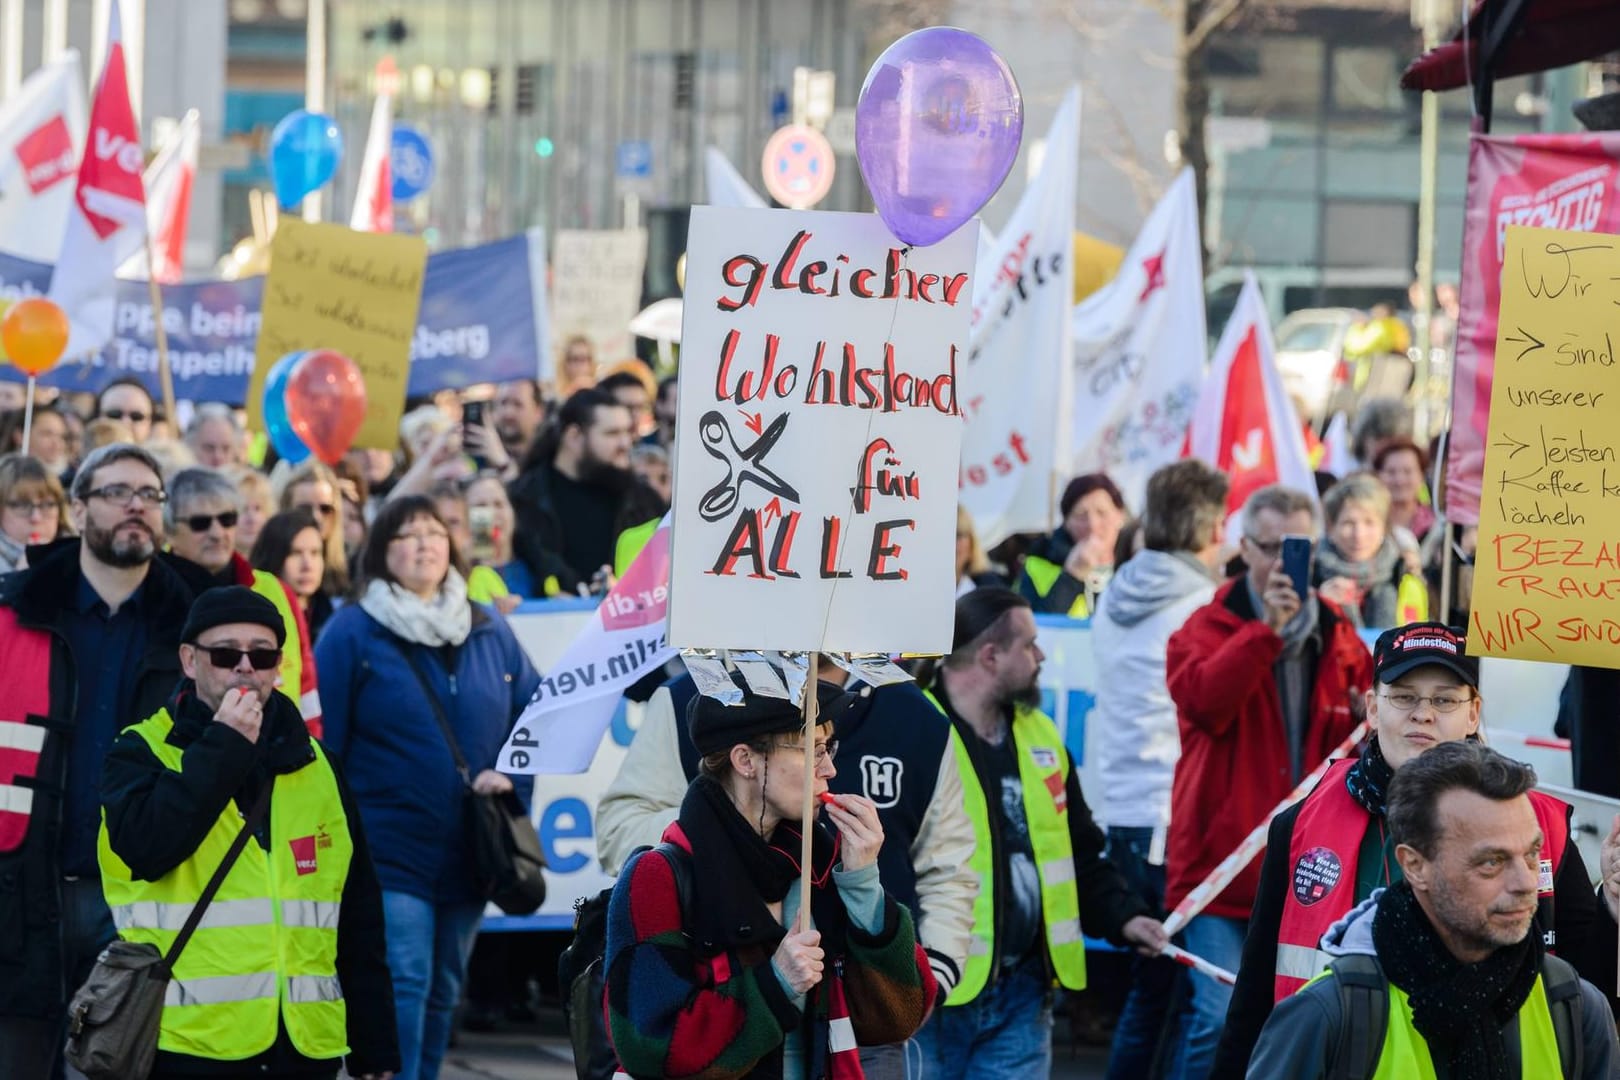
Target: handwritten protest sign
819, 434
1547, 571
596, 289
333, 288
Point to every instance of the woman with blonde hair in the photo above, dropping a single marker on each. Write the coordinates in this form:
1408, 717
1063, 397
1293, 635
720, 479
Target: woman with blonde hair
258, 505
972, 566
315, 486
33, 508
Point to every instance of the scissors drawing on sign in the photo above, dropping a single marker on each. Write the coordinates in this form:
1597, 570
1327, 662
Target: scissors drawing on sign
741, 465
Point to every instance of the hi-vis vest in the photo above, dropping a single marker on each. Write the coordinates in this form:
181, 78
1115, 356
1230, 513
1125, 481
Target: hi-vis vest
1043, 768
266, 949
1322, 866
291, 681
1411, 600
1043, 574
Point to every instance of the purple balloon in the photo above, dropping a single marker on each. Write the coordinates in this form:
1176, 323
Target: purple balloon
937, 129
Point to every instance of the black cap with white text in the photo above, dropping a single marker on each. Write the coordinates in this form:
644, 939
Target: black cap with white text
1406, 648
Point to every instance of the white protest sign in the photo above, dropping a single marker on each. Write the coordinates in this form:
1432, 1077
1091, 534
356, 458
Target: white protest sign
1016, 384
819, 434
596, 289
622, 641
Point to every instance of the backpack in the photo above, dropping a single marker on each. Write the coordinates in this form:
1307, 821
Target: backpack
1364, 1014
581, 976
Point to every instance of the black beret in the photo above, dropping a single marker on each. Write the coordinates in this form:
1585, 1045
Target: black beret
233, 604
716, 726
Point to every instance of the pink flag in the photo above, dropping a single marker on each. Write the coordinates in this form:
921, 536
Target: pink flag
1243, 423
169, 180
374, 199
107, 222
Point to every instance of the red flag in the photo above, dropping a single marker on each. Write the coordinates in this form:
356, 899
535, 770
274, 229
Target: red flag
374, 199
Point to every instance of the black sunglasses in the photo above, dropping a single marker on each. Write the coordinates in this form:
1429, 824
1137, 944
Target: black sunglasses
136, 417
200, 523
323, 509
226, 658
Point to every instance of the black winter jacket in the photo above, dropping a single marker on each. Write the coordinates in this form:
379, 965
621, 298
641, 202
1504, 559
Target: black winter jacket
156, 817
33, 982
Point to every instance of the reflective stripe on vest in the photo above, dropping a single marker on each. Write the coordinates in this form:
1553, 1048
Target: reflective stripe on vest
1405, 1055
1044, 574
290, 681
1046, 811
265, 953
1324, 855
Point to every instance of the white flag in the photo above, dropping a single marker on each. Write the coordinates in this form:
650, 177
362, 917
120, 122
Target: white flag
106, 224
1336, 456
726, 185
41, 134
1244, 423
374, 198
1139, 350
169, 180
1016, 383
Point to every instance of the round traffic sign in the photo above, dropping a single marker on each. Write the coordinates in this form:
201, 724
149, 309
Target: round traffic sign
410, 161
798, 166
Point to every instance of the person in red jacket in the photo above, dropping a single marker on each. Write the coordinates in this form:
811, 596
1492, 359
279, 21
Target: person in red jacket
1266, 683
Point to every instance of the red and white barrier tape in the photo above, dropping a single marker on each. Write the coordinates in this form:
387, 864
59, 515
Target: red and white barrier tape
1231, 866
1540, 742
1199, 964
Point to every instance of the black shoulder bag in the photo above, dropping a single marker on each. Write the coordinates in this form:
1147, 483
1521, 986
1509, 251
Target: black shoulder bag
114, 1019
506, 851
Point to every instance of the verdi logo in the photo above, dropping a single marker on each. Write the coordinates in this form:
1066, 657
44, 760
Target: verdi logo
303, 852
46, 155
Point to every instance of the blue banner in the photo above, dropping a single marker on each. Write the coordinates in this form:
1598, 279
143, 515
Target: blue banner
482, 320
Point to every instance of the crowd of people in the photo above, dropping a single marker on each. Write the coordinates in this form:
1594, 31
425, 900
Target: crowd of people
291, 678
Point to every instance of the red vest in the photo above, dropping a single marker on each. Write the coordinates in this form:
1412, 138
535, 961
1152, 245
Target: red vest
1322, 872
25, 667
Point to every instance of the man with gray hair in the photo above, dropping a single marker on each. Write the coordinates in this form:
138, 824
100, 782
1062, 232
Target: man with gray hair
1266, 683
215, 436
201, 515
89, 643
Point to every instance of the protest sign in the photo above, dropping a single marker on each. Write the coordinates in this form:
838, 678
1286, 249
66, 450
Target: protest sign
1553, 181
358, 293
596, 289
1017, 382
622, 641
818, 435
1547, 568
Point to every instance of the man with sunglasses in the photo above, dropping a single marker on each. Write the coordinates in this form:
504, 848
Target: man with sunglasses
128, 399
88, 640
1328, 852
1266, 683
291, 977
201, 514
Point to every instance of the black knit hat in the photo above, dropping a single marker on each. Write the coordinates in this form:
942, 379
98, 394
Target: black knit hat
233, 604
716, 726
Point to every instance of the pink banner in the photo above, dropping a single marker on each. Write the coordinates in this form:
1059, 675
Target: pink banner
1550, 181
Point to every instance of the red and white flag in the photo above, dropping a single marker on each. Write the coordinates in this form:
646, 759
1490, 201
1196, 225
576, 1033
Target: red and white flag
1336, 456
106, 224
374, 198
1243, 423
169, 180
41, 133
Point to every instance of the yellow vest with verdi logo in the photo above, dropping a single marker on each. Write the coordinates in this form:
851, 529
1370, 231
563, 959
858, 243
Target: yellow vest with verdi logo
266, 950
1043, 769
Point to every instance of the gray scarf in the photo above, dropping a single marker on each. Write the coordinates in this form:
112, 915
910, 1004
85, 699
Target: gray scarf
1377, 578
445, 620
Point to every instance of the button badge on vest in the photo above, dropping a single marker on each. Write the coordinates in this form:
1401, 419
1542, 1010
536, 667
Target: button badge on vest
1315, 875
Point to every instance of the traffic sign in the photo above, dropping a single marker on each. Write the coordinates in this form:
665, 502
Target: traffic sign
798, 165
410, 162
634, 159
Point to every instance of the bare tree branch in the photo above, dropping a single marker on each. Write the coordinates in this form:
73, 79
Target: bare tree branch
1212, 20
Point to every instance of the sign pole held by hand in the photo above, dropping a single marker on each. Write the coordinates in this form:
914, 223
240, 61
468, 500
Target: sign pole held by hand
807, 826
165, 375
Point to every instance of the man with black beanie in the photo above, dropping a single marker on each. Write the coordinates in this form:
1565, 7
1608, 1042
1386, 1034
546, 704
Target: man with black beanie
287, 974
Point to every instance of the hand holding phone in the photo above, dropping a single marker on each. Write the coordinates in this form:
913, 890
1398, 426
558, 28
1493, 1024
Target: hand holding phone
1290, 581
1296, 562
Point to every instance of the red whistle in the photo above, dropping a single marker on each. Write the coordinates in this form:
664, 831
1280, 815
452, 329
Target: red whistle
828, 798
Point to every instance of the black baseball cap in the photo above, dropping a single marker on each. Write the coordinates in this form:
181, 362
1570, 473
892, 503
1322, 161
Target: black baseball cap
1407, 648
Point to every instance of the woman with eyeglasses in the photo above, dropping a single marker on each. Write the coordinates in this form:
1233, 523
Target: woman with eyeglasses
1330, 851
33, 508
128, 400
289, 546
315, 487
410, 658
709, 965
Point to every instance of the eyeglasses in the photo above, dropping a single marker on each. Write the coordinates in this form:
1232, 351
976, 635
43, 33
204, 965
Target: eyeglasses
430, 536
127, 493
1270, 548
1443, 703
323, 509
134, 417
226, 658
825, 752
201, 523
29, 509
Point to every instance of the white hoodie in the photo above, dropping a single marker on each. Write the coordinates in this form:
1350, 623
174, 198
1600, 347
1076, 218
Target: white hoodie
1147, 601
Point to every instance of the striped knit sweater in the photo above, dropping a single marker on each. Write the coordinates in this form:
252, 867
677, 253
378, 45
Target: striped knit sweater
677, 1010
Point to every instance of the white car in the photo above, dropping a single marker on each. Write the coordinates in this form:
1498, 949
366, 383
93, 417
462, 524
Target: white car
1310, 355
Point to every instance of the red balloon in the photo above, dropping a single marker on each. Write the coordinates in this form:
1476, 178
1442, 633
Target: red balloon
326, 403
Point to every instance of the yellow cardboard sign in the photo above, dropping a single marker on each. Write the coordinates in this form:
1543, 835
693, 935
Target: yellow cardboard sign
358, 293
1547, 570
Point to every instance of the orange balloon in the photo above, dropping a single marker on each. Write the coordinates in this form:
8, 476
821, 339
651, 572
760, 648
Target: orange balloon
35, 334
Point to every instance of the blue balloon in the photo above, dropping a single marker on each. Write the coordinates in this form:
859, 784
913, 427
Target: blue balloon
305, 149
289, 447
410, 162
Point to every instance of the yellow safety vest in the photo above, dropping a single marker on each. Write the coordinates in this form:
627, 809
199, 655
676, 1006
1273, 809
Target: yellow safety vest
630, 543
484, 584
1411, 601
1043, 769
291, 680
1043, 574
266, 950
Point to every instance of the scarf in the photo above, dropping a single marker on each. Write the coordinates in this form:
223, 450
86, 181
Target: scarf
1378, 578
1458, 1008
11, 553
1298, 630
445, 620
1368, 779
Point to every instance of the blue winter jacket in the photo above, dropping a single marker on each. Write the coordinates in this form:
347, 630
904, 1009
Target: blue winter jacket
383, 732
